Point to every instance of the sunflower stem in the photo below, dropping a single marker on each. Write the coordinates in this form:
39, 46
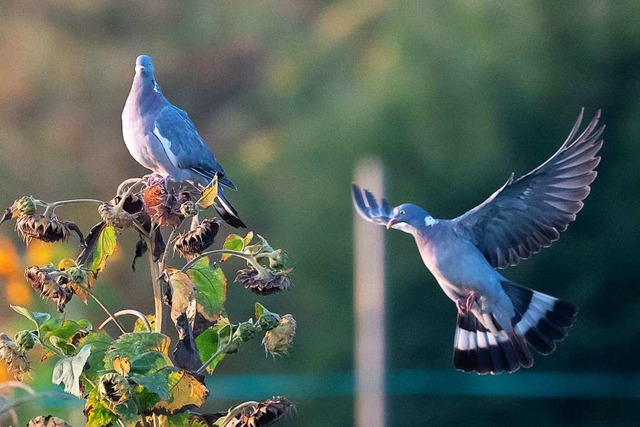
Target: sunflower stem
210, 360
221, 349
51, 348
132, 182
103, 307
16, 384
155, 283
124, 197
163, 261
52, 206
128, 311
249, 258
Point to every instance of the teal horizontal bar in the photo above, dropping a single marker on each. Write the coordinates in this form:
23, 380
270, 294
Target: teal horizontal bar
415, 382
432, 382
302, 386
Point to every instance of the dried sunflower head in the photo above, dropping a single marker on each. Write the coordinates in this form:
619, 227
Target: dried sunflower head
262, 283
48, 230
114, 388
197, 240
50, 287
115, 216
14, 356
48, 421
267, 413
24, 206
162, 205
279, 339
121, 214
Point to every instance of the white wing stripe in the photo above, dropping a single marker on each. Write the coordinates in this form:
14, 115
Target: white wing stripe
166, 144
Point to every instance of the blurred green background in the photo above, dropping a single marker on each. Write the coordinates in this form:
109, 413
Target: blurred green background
452, 96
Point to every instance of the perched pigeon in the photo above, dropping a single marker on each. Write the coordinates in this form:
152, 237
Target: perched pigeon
161, 137
497, 318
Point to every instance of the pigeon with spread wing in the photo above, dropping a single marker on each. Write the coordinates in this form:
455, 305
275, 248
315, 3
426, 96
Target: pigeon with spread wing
499, 320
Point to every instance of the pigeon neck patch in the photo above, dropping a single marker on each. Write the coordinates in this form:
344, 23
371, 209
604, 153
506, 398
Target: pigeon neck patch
429, 221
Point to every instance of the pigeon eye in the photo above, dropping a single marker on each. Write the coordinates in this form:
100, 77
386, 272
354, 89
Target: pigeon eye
402, 212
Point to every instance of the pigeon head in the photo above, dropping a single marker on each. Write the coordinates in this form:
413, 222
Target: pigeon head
144, 67
408, 216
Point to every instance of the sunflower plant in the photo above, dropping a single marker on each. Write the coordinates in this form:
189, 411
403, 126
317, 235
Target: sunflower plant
137, 377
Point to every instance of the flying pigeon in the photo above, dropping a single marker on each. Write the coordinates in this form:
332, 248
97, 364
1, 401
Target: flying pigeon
162, 138
498, 319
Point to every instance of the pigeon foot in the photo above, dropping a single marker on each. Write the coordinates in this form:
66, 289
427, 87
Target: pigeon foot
464, 305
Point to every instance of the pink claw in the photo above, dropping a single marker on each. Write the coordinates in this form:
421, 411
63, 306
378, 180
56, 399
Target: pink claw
465, 306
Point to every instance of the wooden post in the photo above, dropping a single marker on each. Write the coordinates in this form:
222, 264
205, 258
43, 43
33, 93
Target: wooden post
369, 305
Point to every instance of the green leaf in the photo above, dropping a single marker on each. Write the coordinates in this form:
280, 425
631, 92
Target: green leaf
62, 345
145, 399
139, 326
128, 413
257, 248
62, 334
133, 344
211, 339
85, 324
185, 391
248, 238
104, 247
98, 415
99, 342
34, 316
209, 194
233, 242
211, 288
260, 310
149, 362
66, 264
69, 369
157, 383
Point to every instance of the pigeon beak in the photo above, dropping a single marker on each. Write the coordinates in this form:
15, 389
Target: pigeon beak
392, 222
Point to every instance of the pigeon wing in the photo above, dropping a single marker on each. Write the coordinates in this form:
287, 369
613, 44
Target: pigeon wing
528, 214
368, 208
184, 146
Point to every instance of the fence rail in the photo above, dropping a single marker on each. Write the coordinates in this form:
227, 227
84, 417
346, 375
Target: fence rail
584, 385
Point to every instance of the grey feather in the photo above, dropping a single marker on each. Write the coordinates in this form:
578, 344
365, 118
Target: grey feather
162, 138
527, 214
369, 209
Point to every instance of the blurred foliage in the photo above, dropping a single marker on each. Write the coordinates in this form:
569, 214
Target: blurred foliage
453, 96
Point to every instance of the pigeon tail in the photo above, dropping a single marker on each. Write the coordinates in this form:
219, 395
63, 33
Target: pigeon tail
226, 211
205, 176
478, 349
540, 321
